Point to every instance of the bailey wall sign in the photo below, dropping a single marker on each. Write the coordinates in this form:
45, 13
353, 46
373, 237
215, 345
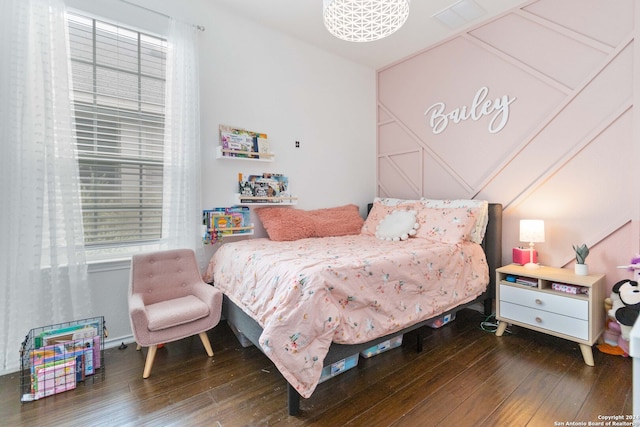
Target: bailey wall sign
497, 109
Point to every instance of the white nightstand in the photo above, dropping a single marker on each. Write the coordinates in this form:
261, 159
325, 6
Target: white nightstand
534, 304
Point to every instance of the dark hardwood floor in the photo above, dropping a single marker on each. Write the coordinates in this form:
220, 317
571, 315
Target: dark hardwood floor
464, 377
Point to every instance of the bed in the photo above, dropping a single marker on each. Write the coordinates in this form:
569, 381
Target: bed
338, 286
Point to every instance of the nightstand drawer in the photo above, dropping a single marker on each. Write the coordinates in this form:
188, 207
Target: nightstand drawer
559, 304
543, 319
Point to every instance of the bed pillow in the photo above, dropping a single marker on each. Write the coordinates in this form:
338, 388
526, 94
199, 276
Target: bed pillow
286, 224
447, 225
482, 218
389, 201
338, 221
381, 209
398, 225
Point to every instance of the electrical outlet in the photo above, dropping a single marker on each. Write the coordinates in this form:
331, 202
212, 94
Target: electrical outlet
297, 144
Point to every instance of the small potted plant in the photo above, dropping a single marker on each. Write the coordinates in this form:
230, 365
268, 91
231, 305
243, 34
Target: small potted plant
582, 251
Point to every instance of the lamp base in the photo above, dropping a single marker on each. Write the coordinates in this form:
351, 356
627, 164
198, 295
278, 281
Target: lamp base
531, 266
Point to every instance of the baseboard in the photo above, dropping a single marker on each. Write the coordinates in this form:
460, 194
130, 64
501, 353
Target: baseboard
116, 342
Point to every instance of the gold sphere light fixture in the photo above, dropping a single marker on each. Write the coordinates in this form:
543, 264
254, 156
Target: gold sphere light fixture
364, 20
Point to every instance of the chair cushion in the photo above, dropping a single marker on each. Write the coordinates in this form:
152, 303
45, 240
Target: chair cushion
174, 312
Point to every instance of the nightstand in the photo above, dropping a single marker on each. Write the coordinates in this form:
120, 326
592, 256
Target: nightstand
539, 300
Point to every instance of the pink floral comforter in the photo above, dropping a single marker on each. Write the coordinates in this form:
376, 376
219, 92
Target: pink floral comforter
308, 293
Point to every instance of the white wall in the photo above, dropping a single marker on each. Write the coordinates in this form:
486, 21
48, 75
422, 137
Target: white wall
256, 78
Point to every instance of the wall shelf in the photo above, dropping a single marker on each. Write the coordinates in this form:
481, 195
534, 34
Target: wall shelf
233, 231
228, 154
265, 201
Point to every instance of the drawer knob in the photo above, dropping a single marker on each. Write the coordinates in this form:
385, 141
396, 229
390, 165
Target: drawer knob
539, 320
538, 301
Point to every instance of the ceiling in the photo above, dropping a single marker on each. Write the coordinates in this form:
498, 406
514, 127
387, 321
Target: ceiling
302, 19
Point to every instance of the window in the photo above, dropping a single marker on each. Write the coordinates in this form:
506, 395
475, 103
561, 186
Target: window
118, 80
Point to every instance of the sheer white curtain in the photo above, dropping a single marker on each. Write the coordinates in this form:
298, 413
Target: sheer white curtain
43, 274
182, 215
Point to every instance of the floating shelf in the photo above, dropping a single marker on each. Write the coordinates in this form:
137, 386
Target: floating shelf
234, 231
265, 201
223, 153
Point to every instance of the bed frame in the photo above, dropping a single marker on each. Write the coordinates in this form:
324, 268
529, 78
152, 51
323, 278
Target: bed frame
492, 245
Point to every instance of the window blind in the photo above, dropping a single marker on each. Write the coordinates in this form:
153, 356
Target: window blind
118, 81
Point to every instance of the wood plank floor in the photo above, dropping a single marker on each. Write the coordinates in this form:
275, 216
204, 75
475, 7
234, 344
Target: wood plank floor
464, 377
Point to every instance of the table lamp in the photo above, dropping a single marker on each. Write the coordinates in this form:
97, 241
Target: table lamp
532, 231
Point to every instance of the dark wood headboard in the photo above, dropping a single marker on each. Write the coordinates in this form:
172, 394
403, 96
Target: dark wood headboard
492, 245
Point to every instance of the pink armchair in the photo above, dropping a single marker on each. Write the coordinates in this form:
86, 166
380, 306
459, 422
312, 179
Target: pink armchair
168, 301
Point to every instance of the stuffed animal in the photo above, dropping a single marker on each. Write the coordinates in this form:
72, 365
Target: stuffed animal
612, 337
626, 305
622, 308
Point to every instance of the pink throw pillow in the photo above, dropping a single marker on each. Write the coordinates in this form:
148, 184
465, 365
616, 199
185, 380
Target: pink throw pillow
448, 225
284, 224
339, 221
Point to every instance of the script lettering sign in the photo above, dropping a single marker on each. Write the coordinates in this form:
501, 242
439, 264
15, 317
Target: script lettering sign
480, 107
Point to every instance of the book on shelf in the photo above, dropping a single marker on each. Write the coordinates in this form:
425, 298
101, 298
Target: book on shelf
240, 218
570, 289
264, 188
252, 200
221, 223
228, 220
236, 142
263, 143
527, 281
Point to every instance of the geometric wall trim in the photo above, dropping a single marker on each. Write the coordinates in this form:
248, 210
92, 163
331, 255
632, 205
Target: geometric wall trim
568, 151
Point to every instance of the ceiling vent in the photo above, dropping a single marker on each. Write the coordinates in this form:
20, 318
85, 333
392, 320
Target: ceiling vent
460, 13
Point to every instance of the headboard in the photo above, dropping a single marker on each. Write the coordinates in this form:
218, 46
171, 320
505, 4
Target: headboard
492, 245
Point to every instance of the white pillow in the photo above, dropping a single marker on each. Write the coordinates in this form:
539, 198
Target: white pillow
398, 225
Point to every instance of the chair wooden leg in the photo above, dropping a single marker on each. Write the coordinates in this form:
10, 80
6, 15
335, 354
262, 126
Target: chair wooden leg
149, 362
207, 345
139, 347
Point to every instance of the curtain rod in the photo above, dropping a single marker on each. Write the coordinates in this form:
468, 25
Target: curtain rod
199, 27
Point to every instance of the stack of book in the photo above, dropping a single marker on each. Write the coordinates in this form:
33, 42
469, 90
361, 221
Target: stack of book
527, 281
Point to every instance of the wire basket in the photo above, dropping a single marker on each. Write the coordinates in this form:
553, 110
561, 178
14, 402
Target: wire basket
56, 358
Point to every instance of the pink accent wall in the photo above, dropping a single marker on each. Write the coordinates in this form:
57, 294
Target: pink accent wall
567, 153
